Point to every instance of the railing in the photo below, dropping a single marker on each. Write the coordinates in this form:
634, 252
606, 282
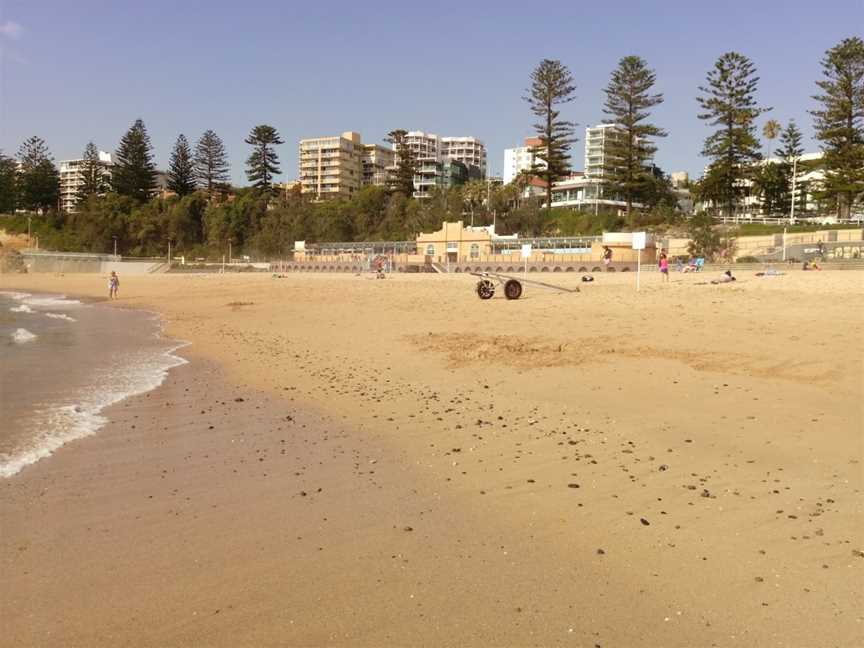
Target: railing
785, 220
71, 255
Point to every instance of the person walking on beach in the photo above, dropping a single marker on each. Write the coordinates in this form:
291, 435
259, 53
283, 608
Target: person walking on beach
607, 255
113, 285
664, 265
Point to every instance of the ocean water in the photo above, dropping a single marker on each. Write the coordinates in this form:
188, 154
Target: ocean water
62, 362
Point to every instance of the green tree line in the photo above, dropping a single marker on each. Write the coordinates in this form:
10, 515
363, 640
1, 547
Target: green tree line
266, 224
121, 203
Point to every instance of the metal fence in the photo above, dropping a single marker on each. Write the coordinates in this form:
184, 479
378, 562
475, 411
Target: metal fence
854, 221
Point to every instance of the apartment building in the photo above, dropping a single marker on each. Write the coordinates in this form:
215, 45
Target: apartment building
468, 150
376, 161
680, 179
331, 167
809, 176
598, 140
444, 161
521, 158
71, 179
338, 166
427, 150
426, 146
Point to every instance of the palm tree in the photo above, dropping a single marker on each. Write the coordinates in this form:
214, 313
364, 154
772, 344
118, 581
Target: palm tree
474, 195
770, 131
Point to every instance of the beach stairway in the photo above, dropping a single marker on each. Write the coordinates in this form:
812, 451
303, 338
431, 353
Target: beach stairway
437, 267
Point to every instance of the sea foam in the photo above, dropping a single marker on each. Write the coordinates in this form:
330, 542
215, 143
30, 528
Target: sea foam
23, 308
129, 375
61, 316
20, 336
51, 302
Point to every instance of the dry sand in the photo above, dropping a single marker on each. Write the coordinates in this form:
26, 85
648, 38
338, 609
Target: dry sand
410, 466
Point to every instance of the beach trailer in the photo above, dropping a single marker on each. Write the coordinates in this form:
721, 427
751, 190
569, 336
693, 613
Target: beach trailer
485, 288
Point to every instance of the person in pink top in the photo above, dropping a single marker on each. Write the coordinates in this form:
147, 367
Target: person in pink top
664, 265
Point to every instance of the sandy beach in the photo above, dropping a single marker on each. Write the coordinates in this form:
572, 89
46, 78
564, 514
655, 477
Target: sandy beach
354, 462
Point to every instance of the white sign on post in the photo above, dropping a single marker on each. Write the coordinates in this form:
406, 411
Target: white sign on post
526, 254
639, 241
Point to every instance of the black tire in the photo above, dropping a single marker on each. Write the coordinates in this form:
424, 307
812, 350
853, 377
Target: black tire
485, 289
512, 289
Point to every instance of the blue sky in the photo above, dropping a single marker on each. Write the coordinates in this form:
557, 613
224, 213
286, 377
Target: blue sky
77, 71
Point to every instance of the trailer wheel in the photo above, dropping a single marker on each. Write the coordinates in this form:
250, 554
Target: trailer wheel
512, 289
486, 289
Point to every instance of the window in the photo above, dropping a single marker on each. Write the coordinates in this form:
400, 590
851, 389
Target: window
475, 251
430, 250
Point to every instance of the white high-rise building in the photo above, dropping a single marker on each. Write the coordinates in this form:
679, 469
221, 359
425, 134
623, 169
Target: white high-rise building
426, 146
71, 179
427, 151
809, 177
520, 159
597, 154
680, 179
444, 161
468, 150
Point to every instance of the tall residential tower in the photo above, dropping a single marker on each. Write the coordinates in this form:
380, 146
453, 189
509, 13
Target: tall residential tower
71, 179
338, 165
467, 150
521, 158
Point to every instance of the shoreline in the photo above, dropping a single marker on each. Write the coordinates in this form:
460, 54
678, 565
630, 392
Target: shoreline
523, 456
164, 503
144, 369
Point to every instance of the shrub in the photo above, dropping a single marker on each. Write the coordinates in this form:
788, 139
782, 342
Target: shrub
11, 261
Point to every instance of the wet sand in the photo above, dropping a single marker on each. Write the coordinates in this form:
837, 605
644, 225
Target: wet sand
680, 467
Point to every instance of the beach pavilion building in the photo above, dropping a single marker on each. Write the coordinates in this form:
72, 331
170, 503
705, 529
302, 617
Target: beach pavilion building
460, 248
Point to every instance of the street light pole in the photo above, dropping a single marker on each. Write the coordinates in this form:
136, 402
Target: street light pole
115, 245
29, 238
794, 178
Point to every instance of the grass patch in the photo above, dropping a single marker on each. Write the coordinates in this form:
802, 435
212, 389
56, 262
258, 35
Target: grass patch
758, 229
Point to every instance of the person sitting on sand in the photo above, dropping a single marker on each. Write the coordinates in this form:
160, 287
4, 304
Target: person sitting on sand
691, 265
810, 265
113, 285
726, 278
